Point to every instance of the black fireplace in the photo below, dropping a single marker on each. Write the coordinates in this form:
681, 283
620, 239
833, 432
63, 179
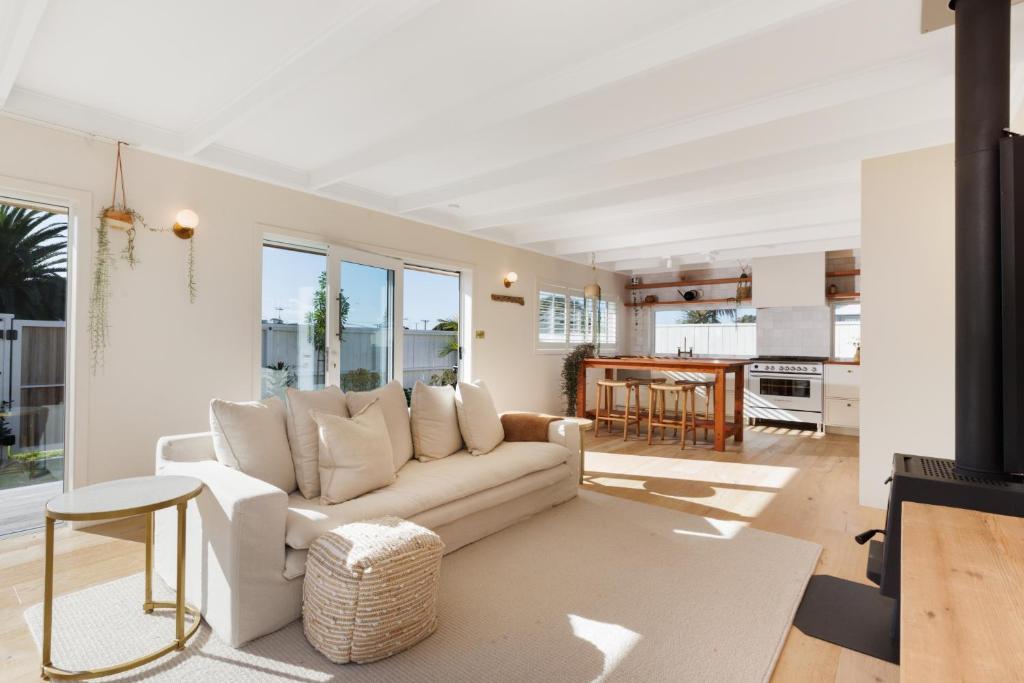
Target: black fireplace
985, 473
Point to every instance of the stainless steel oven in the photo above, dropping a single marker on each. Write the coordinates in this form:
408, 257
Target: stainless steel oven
789, 389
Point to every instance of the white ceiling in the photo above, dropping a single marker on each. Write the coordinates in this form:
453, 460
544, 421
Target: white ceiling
637, 130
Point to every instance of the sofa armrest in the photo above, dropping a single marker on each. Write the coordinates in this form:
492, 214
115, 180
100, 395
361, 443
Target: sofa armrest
235, 541
568, 434
185, 448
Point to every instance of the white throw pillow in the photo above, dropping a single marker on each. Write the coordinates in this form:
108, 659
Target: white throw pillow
478, 419
251, 437
355, 454
302, 432
435, 422
396, 415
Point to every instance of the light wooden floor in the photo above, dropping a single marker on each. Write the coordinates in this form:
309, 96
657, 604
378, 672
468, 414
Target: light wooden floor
785, 481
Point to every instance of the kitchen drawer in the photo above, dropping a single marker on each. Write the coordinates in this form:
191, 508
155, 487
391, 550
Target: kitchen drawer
842, 381
842, 412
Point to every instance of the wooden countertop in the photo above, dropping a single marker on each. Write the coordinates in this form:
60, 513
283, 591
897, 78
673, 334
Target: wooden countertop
662, 363
842, 362
962, 603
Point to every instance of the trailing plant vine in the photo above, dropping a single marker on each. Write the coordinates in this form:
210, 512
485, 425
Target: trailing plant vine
193, 289
571, 368
99, 304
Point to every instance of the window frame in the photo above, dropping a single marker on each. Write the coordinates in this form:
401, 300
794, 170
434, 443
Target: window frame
834, 306
568, 342
699, 306
274, 235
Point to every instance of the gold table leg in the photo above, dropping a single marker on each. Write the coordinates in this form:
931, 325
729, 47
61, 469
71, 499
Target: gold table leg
147, 604
48, 596
181, 637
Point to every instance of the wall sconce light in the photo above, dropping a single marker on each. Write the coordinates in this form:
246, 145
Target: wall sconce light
185, 224
510, 278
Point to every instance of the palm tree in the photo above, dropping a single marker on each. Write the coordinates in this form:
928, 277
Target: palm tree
449, 324
33, 263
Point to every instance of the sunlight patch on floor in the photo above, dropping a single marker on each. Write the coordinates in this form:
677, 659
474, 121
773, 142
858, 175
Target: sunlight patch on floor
736, 492
611, 640
787, 431
725, 529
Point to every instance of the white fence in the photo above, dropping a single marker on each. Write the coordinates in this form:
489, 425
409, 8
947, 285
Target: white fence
32, 356
738, 339
363, 347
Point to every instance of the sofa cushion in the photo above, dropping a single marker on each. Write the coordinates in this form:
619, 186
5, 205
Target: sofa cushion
396, 415
355, 454
251, 437
435, 422
422, 486
478, 418
302, 432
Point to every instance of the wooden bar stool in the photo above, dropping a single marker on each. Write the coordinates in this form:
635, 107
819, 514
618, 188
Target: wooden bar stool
685, 413
606, 399
709, 396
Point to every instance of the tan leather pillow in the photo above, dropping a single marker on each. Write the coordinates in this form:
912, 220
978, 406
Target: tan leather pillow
355, 454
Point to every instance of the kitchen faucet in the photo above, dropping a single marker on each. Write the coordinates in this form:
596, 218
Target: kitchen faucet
680, 352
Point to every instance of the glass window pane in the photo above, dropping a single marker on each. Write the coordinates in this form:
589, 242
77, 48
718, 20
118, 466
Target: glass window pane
708, 331
846, 330
293, 320
367, 318
430, 341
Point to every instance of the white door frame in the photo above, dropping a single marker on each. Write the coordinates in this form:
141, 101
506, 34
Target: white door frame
335, 255
77, 374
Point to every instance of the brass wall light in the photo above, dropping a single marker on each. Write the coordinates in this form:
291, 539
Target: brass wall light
510, 278
185, 224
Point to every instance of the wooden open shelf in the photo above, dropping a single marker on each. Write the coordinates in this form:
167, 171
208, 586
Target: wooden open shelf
843, 273
840, 296
690, 283
644, 304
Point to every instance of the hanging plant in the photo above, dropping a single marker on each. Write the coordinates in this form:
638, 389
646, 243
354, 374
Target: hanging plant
99, 296
119, 216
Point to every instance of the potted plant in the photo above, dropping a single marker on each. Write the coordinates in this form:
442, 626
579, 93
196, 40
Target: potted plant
571, 369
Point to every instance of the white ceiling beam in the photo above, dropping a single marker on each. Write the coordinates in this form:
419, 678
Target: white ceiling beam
725, 22
36, 107
846, 210
815, 152
802, 233
368, 24
746, 199
19, 20
861, 85
652, 265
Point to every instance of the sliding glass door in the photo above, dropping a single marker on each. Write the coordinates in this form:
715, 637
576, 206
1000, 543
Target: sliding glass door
365, 343
33, 300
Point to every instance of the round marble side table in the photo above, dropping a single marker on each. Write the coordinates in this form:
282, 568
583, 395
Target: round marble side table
113, 500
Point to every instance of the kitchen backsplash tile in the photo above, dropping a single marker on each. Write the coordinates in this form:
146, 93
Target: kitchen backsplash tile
796, 331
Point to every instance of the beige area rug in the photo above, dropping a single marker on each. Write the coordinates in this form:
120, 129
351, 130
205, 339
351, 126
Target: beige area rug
596, 589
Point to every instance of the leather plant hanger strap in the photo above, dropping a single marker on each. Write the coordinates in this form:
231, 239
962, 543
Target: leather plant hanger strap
119, 173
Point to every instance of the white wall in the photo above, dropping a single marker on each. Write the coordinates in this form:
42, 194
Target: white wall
795, 280
907, 263
168, 358
794, 331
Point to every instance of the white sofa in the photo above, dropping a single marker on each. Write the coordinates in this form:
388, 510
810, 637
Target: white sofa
246, 540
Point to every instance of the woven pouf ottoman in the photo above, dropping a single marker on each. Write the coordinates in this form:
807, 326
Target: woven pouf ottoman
371, 589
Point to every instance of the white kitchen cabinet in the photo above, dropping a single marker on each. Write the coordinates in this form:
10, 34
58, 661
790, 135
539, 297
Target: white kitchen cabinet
842, 381
842, 412
842, 395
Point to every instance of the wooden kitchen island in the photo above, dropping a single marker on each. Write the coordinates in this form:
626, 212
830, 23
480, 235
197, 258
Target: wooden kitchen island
718, 367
